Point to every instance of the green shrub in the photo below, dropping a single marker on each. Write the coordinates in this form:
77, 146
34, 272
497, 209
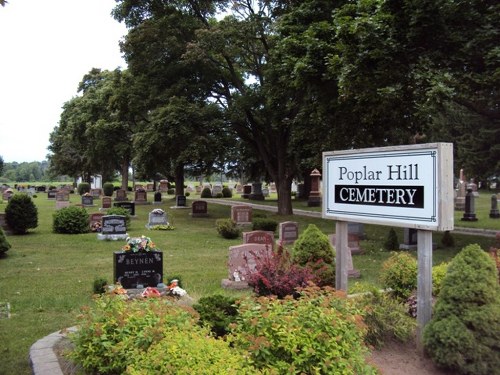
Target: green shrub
108, 189
218, 195
438, 274
269, 225
313, 245
114, 332
190, 351
464, 333
227, 228
386, 318
122, 212
318, 333
21, 213
4, 244
83, 188
218, 312
99, 285
391, 242
206, 193
399, 273
226, 192
71, 220
171, 191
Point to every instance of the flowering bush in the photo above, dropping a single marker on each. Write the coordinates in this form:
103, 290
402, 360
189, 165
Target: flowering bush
139, 244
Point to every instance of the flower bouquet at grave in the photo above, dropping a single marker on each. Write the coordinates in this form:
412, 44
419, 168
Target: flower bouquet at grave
96, 226
139, 244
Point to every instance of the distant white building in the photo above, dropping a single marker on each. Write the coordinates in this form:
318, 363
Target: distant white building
95, 181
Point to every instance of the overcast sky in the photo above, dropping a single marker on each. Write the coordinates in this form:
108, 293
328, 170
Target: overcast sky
46, 47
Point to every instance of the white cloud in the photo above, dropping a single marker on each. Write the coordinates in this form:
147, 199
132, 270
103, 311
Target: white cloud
46, 47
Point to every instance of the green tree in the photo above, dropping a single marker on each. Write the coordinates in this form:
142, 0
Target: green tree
464, 333
1, 165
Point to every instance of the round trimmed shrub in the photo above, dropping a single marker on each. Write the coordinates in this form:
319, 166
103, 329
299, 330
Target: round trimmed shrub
21, 213
314, 250
313, 245
264, 224
108, 188
227, 228
71, 220
399, 273
206, 193
226, 192
464, 332
171, 191
4, 244
83, 188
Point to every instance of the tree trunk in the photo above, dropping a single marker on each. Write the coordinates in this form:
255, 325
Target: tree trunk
179, 180
124, 173
284, 189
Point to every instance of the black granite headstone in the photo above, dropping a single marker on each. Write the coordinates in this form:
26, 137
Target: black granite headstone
130, 206
157, 197
113, 224
51, 194
140, 269
87, 200
180, 201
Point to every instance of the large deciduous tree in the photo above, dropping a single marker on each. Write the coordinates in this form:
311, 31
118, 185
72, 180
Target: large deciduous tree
94, 133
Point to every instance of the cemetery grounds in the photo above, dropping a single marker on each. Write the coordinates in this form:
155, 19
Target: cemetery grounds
46, 278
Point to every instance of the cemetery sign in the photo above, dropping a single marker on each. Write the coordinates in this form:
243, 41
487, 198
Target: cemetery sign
405, 186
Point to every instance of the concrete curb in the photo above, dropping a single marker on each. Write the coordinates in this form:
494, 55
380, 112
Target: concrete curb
43, 359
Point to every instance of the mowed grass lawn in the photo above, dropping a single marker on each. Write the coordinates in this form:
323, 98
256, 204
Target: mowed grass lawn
47, 277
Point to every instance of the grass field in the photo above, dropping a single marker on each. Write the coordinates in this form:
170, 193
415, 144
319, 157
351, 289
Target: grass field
47, 277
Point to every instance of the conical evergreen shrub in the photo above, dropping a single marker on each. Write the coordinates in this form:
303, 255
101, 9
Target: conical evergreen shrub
21, 213
464, 333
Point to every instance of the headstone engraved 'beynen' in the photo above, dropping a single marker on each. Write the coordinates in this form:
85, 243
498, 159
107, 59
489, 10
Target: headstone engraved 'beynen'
242, 262
113, 228
138, 270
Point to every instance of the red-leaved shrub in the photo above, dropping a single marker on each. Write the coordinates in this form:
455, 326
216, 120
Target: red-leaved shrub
276, 274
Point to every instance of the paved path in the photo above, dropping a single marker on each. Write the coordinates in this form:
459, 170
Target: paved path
296, 211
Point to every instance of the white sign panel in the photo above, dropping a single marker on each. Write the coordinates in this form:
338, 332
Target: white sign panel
406, 186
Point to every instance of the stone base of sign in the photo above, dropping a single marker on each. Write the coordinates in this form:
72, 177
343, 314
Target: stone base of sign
112, 237
234, 285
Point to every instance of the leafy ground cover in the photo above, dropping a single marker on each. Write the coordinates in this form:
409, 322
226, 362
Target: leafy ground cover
47, 277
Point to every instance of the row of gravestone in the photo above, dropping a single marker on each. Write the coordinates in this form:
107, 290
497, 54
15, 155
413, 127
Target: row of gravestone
259, 245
